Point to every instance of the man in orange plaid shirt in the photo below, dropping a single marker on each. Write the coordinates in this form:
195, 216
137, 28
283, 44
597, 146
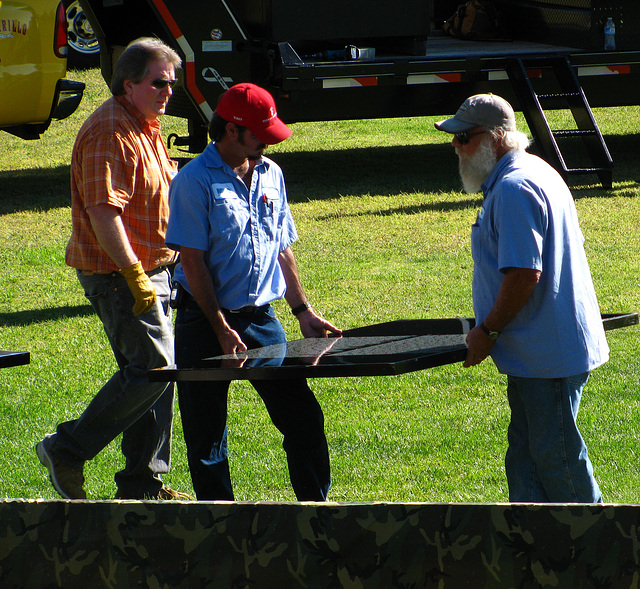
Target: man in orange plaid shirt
120, 175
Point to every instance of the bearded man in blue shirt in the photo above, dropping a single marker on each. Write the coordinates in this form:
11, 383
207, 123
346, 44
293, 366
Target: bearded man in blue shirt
230, 221
535, 305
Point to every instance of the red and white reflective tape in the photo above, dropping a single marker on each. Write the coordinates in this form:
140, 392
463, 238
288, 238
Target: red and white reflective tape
350, 82
604, 70
493, 76
434, 78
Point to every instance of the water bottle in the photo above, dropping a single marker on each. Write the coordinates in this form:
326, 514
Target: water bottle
609, 35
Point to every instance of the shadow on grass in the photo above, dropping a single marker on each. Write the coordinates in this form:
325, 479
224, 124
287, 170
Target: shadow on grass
384, 171
429, 168
444, 205
39, 189
24, 318
320, 175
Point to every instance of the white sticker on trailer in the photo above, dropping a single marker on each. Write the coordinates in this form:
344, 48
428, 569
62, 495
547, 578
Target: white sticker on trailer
217, 46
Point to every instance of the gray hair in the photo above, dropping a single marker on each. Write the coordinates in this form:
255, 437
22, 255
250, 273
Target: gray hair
511, 139
134, 62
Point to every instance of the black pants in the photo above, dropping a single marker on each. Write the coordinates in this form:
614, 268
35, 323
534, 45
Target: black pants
291, 404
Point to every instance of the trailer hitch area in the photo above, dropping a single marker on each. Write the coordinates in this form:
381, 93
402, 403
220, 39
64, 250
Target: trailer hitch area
177, 141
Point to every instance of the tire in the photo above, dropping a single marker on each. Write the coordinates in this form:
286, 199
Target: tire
84, 48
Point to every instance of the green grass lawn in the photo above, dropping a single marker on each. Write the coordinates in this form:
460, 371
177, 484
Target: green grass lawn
384, 235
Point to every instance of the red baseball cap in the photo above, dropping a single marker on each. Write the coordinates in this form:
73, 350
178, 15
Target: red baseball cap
253, 107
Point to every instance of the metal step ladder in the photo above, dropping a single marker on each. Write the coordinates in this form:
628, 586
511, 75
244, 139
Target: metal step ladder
566, 93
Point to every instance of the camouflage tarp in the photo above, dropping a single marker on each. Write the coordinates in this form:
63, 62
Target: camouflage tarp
93, 544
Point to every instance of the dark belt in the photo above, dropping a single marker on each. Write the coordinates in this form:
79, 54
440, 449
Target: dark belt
248, 310
190, 303
153, 272
157, 270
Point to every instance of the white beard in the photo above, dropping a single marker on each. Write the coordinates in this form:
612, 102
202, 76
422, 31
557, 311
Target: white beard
475, 169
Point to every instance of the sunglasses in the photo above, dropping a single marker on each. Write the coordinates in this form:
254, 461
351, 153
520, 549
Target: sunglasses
161, 83
464, 136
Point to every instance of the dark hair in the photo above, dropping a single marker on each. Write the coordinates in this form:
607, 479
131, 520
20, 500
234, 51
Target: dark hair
218, 127
134, 62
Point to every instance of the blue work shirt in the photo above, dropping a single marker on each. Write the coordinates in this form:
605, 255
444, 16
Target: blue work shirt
529, 220
241, 230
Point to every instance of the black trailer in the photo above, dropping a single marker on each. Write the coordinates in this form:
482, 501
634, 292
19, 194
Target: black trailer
355, 59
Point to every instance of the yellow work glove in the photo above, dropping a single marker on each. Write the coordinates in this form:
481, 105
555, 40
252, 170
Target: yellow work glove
141, 288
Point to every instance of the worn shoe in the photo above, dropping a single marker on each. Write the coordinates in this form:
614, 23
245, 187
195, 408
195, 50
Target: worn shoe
67, 481
167, 494
164, 494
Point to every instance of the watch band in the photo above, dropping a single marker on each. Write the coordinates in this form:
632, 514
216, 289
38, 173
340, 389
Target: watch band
300, 308
490, 334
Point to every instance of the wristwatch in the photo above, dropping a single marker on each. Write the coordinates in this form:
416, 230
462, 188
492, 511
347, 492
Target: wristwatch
300, 308
494, 335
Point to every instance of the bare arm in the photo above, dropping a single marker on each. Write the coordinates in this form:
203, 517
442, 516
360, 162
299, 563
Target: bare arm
112, 237
311, 325
515, 290
203, 291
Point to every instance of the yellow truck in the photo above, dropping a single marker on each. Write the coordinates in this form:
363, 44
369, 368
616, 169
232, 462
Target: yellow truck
33, 65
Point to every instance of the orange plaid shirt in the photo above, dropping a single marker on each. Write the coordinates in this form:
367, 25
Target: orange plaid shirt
120, 159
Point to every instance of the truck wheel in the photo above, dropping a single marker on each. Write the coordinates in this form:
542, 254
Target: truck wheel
84, 49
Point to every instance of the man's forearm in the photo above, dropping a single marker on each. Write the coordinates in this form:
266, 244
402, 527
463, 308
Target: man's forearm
201, 286
111, 235
515, 290
204, 292
295, 294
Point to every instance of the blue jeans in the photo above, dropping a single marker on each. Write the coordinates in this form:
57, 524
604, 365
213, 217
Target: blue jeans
291, 404
128, 403
547, 458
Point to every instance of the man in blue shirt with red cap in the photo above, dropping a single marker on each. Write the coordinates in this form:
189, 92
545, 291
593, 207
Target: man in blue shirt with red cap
230, 220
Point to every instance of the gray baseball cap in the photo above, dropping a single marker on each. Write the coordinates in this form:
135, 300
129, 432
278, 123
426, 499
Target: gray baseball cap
486, 110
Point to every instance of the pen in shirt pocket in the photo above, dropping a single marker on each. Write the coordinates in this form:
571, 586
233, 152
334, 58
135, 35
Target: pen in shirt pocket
268, 203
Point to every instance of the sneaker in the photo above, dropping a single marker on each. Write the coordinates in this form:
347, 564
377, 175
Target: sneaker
164, 494
167, 494
66, 481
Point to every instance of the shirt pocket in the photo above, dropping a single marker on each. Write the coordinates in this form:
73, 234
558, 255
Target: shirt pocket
230, 210
271, 199
272, 210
